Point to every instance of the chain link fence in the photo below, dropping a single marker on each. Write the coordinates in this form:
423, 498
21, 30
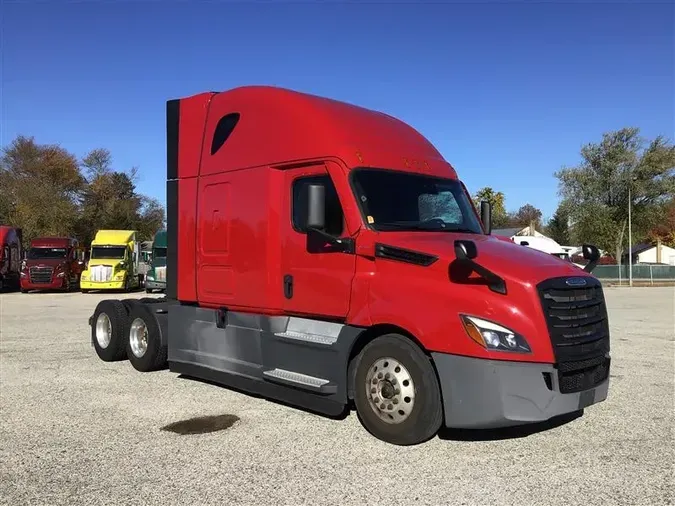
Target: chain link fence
643, 274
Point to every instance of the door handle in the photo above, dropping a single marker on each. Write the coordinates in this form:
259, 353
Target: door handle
288, 286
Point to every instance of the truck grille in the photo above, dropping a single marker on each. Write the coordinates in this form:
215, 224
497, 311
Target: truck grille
579, 329
41, 275
101, 273
160, 273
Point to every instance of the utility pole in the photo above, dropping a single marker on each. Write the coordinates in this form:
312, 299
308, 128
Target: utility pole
630, 236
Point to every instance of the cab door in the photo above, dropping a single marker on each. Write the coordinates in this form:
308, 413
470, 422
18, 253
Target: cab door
77, 262
316, 282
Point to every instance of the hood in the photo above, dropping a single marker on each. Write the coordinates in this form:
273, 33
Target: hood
110, 262
46, 262
512, 262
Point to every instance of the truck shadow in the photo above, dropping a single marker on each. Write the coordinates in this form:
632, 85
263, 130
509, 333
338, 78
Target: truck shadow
201, 424
508, 432
446, 434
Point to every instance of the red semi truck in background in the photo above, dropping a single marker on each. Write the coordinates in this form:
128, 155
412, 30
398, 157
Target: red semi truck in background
52, 263
11, 253
327, 256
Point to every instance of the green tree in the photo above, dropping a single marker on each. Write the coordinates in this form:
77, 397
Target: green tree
598, 188
557, 227
525, 215
39, 188
110, 200
664, 230
45, 191
497, 199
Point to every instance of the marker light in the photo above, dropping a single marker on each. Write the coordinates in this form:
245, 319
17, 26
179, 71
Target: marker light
494, 337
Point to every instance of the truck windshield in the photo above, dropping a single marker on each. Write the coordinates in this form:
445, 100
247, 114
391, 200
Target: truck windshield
159, 252
393, 200
108, 252
46, 253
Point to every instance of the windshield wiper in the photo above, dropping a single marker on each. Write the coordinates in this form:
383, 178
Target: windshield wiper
433, 226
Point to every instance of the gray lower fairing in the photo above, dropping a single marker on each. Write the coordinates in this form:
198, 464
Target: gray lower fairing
264, 354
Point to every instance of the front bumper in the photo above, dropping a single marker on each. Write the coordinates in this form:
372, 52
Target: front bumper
54, 284
155, 285
95, 285
489, 394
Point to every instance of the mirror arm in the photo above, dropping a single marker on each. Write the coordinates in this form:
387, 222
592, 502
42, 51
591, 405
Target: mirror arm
591, 265
495, 282
346, 244
593, 260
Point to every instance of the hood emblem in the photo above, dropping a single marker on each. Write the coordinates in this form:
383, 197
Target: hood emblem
575, 282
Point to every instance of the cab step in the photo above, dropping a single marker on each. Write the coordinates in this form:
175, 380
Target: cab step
318, 385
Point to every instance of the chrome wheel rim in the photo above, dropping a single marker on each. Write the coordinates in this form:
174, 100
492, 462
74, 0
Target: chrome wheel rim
390, 390
138, 337
103, 330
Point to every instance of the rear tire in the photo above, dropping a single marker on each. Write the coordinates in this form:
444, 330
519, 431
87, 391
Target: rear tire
108, 330
396, 391
144, 342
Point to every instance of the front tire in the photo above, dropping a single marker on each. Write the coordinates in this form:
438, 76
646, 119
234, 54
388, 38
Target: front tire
108, 330
144, 341
396, 391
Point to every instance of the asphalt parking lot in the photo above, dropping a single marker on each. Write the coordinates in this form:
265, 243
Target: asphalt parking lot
75, 430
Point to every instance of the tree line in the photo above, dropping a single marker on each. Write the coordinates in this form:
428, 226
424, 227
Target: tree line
622, 167
48, 191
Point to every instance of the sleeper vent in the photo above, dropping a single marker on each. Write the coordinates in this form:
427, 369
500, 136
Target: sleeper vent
404, 255
223, 130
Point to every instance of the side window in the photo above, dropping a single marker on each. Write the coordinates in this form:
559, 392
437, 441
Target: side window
223, 130
334, 214
14, 257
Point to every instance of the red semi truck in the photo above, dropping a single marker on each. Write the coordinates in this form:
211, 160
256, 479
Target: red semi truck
11, 252
327, 256
52, 263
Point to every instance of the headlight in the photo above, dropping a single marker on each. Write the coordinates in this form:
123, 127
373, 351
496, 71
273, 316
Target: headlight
494, 337
60, 274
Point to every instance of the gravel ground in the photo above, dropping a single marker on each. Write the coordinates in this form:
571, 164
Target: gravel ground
76, 430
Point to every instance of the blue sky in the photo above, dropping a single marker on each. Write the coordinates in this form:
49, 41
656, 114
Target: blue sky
508, 92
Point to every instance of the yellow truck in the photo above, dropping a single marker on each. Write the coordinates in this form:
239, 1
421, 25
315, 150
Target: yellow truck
113, 262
